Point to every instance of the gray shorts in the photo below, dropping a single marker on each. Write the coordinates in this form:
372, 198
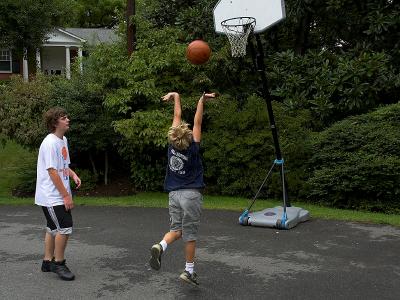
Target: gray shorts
185, 211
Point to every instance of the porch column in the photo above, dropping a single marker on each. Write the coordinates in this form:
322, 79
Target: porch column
25, 65
67, 63
38, 62
80, 59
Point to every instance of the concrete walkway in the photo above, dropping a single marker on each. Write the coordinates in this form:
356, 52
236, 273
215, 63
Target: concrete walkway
109, 253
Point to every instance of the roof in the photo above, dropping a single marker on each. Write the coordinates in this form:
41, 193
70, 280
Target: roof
60, 37
94, 36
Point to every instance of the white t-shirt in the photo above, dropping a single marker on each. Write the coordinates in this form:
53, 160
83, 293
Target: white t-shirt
53, 153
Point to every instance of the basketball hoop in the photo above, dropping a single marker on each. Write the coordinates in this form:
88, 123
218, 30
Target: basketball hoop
238, 30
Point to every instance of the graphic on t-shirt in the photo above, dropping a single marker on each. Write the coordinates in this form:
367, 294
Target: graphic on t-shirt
65, 157
64, 152
176, 164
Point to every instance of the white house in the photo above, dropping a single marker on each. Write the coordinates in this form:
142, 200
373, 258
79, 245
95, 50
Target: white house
55, 56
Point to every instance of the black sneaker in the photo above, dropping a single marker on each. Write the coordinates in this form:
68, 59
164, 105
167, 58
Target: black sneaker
155, 259
48, 265
62, 270
189, 278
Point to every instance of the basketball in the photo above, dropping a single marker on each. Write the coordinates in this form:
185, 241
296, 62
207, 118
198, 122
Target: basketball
198, 52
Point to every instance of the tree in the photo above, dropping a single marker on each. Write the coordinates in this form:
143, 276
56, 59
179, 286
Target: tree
340, 25
92, 137
96, 13
25, 23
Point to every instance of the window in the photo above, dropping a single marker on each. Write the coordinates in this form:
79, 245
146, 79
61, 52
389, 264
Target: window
5, 61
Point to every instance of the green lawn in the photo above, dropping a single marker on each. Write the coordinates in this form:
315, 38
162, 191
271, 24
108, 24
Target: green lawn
226, 203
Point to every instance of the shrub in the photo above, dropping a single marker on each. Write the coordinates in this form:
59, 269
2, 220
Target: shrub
239, 151
21, 108
89, 180
25, 180
333, 86
356, 162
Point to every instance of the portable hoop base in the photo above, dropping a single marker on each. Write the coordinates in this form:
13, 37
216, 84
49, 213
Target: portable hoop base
272, 217
238, 30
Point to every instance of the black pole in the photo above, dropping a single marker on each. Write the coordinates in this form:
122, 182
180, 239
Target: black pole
268, 100
267, 96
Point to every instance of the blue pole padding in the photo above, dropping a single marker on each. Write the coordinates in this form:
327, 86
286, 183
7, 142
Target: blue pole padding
284, 219
279, 161
245, 214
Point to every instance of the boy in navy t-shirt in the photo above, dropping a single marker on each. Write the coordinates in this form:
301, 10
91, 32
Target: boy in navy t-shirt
184, 182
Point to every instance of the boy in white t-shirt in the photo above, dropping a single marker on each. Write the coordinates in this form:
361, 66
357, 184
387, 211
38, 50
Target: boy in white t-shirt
53, 191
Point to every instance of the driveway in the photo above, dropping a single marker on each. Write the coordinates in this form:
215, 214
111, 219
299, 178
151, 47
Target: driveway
109, 251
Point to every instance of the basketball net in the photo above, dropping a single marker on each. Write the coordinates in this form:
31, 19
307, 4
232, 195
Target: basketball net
238, 31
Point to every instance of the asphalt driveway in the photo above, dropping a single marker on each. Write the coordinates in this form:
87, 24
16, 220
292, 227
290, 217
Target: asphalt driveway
109, 252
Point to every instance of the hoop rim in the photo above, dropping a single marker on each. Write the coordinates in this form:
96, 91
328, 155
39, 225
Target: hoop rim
250, 19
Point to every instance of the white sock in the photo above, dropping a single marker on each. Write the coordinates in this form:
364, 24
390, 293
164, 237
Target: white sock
164, 245
189, 266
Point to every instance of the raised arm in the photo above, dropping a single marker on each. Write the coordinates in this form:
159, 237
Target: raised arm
198, 117
177, 106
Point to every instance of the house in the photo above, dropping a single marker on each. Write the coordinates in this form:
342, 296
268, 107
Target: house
61, 48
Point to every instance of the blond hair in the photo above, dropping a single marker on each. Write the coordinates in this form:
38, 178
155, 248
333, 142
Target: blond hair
180, 136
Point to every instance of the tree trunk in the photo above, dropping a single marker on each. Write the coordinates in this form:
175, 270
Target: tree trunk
130, 27
302, 33
106, 167
25, 71
93, 165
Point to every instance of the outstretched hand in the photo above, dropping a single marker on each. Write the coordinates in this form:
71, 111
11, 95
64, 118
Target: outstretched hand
168, 96
208, 96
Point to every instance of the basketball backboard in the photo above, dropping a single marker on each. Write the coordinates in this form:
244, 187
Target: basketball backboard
266, 12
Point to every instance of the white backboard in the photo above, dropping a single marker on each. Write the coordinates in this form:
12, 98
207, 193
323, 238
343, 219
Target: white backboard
266, 12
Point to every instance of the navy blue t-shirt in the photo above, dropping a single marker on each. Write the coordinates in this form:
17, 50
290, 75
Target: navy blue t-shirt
184, 169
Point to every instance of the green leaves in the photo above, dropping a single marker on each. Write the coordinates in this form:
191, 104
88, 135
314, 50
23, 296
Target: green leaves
21, 108
356, 162
332, 86
238, 147
25, 23
145, 128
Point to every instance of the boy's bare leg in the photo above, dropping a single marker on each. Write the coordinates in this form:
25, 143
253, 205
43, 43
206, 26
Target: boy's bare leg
158, 249
189, 275
190, 249
60, 245
172, 236
49, 244
60, 267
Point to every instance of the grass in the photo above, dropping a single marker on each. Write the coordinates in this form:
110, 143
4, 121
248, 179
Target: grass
224, 203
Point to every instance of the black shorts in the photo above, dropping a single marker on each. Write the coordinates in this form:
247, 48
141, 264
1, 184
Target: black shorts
58, 219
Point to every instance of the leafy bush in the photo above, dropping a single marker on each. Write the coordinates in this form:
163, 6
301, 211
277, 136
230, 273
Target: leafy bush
239, 150
89, 180
144, 146
333, 86
21, 108
25, 181
356, 162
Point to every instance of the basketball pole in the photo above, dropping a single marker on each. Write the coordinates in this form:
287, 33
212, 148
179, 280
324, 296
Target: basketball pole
279, 161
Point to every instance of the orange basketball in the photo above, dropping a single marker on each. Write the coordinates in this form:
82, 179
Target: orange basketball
198, 52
